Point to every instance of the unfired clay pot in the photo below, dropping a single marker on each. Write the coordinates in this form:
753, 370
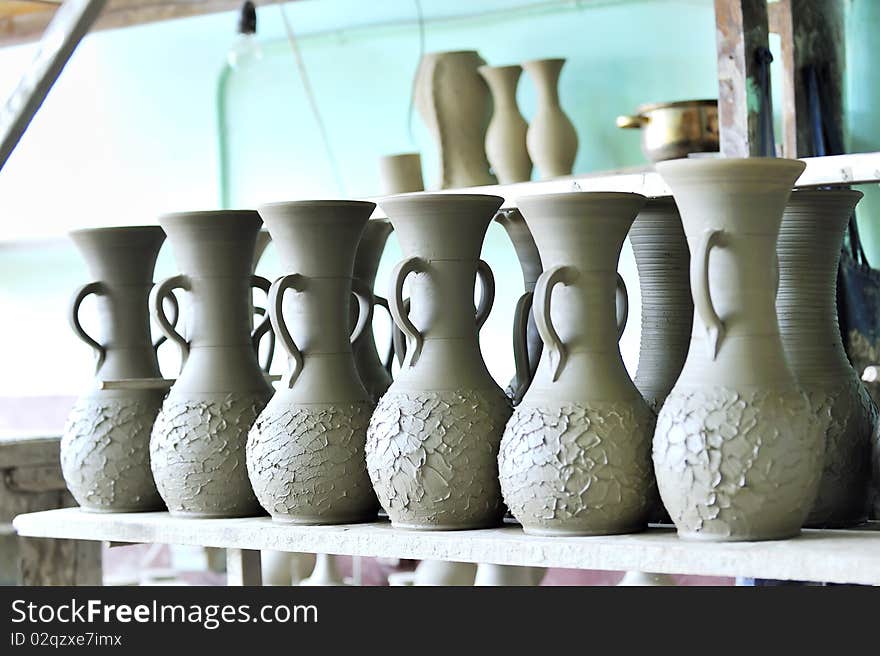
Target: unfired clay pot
663, 263
305, 452
373, 369
433, 439
737, 453
809, 248
454, 102
506, 136
401, 173
552, 140
198, 442
105, 447
527, 344
576, 455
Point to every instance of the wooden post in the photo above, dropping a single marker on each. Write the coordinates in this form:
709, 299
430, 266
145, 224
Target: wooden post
812, 33
741, 29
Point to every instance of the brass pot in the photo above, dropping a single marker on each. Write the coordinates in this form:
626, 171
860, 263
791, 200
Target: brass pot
676, 129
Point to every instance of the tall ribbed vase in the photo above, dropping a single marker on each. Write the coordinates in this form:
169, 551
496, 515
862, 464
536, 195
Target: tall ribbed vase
809, 249
663, 263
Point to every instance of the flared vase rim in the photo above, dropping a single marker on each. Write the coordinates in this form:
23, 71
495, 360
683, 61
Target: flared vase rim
318, 203
435, 53
500, 67
545, 60
429, 198
205, 215
825, 194
587, 197
729, 168
131, 230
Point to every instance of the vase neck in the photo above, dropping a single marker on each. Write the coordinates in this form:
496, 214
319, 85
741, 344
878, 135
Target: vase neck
124, 332
524, 244
545, 75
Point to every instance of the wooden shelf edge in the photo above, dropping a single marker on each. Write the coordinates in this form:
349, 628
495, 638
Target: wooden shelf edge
851, 556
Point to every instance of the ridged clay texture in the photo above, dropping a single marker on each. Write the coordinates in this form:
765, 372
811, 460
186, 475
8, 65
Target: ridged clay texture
198, 457
105, 453
576, 470
736, 465
432, 457
307, 463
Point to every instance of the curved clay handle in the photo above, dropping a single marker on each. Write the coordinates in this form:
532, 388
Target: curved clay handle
487, 292
398, 339
400, 314
631, 122
157, 311
541, 309
73, 317
270, 351
621, 306
702, 296
266, 324
521, 346
364, 296
175, 315
388, 361
297, 283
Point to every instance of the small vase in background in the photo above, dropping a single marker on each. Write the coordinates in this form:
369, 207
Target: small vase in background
400, 174
552, 140
454, 102
506, 136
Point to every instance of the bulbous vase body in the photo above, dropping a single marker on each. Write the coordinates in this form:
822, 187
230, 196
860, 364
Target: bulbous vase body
552, 140
663, 263
105, 457
576, 454
198, 442
373, 369
506, 135
433, 440
737, 453
527, 344
809, 248
454, 102
305, 452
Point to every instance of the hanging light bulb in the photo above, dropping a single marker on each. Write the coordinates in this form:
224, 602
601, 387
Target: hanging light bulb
246, 49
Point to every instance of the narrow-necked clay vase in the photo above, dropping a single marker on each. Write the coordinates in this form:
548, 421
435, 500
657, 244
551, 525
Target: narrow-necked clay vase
198, 442
663, 263
105, 449
552, 140
305, 452
737, 453
576, 455
809, 248
506, 136
454, 102
374, 370
433, 440
527, 344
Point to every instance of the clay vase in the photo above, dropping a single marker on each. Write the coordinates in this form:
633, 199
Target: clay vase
663, 263
401, 173
576, 454
527, 344
552, 140
454, 102
305, 452
197, 447
506, 136
105, 446
809, 248
737, 453
433, 439
374, 370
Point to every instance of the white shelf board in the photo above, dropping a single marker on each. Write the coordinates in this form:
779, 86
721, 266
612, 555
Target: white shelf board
834, 556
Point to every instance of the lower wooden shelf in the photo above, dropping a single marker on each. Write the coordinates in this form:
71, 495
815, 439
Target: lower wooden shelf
851, 556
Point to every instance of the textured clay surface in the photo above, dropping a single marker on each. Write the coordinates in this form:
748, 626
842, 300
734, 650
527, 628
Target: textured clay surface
579, 470
307, 463
432, 457
198, 455
105, 454
737, 466
847, 414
